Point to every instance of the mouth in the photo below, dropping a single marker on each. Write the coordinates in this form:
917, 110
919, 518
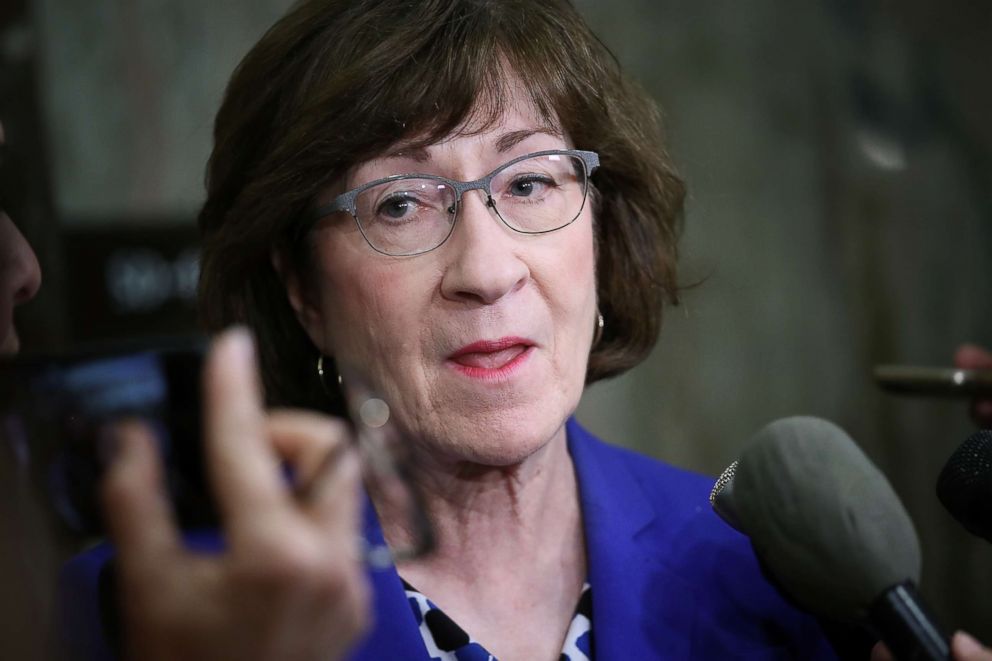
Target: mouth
491, 359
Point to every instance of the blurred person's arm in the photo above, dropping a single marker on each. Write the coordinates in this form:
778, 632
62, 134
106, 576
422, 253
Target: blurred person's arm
290, 584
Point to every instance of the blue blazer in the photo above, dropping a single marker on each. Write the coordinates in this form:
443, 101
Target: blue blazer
669, 579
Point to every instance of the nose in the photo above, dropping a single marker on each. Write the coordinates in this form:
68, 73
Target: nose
20, 275
486, 263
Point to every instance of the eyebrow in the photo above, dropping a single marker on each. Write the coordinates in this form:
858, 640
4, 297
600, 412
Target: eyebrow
504, 143
508, 141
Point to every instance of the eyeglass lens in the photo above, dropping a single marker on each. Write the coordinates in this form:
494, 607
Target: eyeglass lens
384, 457
412, 215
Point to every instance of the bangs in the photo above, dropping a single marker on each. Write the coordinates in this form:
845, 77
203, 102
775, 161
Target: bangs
476, 112
430, 76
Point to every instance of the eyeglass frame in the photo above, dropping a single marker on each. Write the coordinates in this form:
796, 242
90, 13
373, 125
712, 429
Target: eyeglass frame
346, 201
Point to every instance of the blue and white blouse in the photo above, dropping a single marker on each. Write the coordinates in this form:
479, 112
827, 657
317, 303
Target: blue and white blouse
446, 641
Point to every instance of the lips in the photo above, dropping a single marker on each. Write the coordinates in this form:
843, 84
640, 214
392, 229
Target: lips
491, 358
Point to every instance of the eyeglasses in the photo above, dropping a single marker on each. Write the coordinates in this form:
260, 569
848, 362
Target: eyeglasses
410, 214
385, 460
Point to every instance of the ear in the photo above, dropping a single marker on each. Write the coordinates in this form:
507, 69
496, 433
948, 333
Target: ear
307, 312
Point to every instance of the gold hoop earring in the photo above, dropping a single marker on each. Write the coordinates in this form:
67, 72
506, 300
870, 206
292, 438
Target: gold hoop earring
320, 376
600, 323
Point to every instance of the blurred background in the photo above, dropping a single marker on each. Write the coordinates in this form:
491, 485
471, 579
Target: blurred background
839, 161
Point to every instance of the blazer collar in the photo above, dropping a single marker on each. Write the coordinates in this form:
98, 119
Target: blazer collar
638, 603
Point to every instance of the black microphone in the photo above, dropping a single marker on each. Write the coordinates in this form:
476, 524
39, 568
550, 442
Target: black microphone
965, 484
831, 531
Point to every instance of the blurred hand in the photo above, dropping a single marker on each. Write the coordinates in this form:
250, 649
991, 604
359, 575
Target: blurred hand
970, 356
290, 585
963, 648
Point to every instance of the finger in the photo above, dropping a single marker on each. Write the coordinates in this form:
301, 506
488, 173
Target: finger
243, 466
972, 356
966, 648
981, 411
333, 497
309, 441
880, 652
136, 508
330, 471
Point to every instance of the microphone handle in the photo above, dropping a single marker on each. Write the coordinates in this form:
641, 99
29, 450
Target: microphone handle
907, 627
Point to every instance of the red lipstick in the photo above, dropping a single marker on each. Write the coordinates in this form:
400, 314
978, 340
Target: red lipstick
491, 360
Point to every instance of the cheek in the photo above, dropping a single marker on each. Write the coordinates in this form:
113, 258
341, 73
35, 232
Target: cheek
575, 278
370, 308
571, 291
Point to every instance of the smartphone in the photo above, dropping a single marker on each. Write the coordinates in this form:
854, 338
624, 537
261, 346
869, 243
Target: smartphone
54, 410
934, 381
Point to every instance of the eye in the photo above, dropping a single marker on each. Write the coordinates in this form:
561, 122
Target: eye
529, 184
397, 206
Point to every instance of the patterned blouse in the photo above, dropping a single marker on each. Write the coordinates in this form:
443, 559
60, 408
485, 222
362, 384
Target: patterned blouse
446, 641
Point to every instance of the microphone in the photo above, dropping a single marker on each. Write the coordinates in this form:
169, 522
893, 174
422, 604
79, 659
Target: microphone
965, 484
831, 531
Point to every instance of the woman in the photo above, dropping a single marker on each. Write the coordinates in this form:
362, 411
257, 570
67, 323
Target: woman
465, 206
473, 311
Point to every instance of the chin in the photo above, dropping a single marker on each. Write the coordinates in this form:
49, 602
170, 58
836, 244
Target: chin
497, 439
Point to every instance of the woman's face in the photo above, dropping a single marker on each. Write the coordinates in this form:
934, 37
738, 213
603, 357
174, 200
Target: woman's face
20, 276
479, 346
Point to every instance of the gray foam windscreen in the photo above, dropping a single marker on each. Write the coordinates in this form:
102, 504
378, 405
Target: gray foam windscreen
823, 518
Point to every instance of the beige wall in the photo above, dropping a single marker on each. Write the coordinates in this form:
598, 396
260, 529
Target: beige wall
131, 88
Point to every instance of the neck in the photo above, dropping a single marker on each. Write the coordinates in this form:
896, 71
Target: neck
492, 516
510, 558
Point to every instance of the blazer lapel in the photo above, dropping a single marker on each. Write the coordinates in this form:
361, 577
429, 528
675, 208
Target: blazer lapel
638, 603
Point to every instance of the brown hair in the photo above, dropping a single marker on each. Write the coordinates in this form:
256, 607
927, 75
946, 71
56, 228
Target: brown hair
336, 82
